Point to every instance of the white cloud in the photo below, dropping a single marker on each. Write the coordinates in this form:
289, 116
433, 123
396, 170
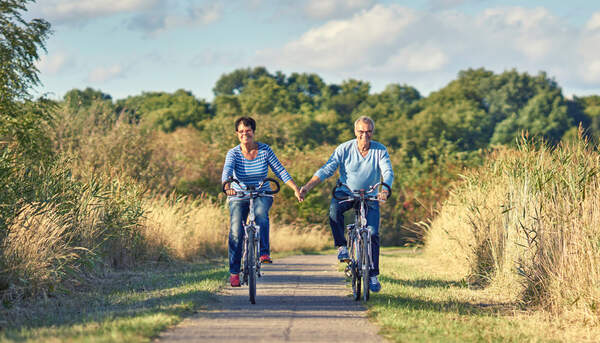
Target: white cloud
150, 16
77, 11
347, 44
53, 64
532, 32
166, 18
594, 22
588, 56
416, 58
445, 4
327, 9
103, 74
390, 42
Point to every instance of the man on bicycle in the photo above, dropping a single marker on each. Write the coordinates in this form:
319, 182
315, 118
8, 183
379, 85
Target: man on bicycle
362, 163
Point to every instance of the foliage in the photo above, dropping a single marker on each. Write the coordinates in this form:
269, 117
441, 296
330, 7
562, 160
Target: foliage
166, 111
19, 49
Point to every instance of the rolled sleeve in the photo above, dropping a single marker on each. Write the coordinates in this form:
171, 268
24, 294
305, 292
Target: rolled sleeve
228, 167
276, 166
386, 168
329, 168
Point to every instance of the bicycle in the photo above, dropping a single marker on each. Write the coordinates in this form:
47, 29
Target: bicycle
250, 256
359, 238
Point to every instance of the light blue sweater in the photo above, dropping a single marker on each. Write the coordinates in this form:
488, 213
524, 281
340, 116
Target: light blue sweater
356, 171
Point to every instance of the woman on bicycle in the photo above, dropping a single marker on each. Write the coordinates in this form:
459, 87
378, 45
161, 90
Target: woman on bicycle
249, 163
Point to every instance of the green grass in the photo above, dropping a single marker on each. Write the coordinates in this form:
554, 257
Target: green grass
419, 304
132, 306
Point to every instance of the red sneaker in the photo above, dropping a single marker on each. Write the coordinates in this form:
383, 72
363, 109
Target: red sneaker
265, 259
234, 280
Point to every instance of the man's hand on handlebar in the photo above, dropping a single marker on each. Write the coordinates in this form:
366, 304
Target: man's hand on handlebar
383, 196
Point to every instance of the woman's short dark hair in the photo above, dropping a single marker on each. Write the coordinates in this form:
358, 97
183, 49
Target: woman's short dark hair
247, 121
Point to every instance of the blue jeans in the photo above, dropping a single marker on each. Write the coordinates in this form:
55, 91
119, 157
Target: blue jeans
238, 213
336, 221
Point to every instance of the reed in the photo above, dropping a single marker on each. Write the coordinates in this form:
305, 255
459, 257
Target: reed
526, 226
184, 228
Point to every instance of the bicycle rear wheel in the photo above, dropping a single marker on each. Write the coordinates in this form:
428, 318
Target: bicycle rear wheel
364, 256
251, 263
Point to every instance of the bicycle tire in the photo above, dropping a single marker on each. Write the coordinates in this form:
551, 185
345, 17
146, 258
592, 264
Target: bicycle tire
251, 263
364, 256
354, 260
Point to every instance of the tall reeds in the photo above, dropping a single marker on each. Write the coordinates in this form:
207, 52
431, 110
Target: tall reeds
527, 225
184, 228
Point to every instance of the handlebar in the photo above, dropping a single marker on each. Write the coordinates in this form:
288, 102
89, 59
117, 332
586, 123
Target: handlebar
360, 193
250, 189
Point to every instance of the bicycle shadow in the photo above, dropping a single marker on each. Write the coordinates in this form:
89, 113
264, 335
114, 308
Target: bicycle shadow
425, 283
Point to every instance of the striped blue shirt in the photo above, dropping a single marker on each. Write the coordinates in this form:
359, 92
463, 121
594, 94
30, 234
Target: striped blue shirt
252, 172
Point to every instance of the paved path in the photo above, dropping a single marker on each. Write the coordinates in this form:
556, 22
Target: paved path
299, 299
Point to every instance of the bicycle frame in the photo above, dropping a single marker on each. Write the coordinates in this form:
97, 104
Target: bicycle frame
252, 231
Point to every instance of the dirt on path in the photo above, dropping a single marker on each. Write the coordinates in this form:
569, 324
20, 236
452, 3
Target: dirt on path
299, 299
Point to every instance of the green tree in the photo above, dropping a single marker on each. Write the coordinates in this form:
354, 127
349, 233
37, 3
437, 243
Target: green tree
346, 98
586, 111
265, 95
233, 83
20, 44
307, 89
545, 115
227, 105
167, 111
84, 98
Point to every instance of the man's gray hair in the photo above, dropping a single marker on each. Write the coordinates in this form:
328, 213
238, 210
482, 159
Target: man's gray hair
365, 119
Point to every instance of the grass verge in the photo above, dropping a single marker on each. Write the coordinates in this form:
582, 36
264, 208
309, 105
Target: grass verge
132, 306
419, 303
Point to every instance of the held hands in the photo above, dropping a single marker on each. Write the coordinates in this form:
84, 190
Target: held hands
298, 194
303, 191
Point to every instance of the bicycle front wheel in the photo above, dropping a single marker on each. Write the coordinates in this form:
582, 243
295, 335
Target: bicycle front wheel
251, 263
364, 256
354, 266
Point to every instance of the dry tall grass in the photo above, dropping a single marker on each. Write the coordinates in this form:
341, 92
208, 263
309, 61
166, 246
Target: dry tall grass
186, 229
527, 226
293, 238
36, 251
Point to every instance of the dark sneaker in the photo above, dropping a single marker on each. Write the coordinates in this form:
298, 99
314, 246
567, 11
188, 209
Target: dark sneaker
234, 280
343, 254
265, 259
374, 284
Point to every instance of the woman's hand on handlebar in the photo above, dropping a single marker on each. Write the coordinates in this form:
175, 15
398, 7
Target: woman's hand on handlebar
227, 186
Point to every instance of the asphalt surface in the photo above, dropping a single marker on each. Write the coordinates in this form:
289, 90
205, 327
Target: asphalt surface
299, 299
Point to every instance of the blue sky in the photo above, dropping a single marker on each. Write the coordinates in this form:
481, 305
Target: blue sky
126, 47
